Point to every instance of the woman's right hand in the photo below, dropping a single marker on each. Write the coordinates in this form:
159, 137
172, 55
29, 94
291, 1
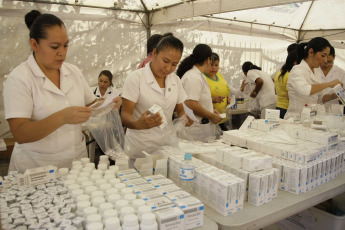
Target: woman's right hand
147, 121
216, 118
334, 83
76, 114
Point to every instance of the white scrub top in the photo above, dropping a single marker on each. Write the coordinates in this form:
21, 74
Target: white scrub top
335, 73
195, 85
28, 93
96, 91
301, 78
266, 96
142, 88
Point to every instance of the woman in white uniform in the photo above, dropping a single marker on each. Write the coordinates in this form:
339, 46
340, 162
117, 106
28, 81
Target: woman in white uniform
304, 83
264, 87
154, 84
330, 72
45, 100
105, 85
194, 82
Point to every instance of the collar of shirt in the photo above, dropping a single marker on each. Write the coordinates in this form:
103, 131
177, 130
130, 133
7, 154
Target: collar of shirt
203, 77
97, 92
65, 85
315, 77
151, 80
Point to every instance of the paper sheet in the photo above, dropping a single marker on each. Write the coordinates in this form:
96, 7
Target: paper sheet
190, 113
2, 145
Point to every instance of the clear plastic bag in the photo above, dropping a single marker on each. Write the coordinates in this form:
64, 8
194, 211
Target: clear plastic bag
196, 132
106, 127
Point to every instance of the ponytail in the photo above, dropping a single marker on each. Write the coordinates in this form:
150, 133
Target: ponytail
317, 44
200, 54
248, 66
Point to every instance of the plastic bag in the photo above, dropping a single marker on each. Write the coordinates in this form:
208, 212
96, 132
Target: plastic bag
106, 127
196, 132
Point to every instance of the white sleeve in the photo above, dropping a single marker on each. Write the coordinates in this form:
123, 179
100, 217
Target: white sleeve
193, 86
297, 81
131, 87
18, 98
252, 76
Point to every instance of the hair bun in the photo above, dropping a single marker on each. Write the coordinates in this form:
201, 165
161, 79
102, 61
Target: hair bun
30, 17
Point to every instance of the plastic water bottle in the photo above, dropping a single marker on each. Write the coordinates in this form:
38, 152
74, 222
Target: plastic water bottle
187, 173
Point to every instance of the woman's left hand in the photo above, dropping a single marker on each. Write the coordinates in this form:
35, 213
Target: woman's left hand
118, 102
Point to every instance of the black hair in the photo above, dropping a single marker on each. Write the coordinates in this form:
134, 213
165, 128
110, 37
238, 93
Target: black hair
292, 47
38, 23
214, 57
171, 42
153, 41
200, 54
289, 63
332, 51
108, 74
248, 66
317, 44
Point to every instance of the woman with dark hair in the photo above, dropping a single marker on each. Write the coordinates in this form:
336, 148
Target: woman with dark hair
46, 100
304, 83
280, 82
264, 87
198, 92
155, 84
220, 90
105, 85
329, 72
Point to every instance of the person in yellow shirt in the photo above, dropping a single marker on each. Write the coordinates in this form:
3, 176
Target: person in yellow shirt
280, 82
220, 91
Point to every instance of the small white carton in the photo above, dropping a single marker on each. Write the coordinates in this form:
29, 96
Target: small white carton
257, 186
159, 203
157, 109
193, 212
170, 219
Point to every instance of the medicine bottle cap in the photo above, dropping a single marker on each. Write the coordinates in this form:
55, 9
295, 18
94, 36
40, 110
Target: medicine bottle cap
63, 171
97, 193
125, 191
110, 213
114, 181
120, 186
137, 203
83, 204
78, 167
86, 184
188, 156
144, 209
76, 163
112, 223
148, 218
127, 210
130, 220
90, 189
102, 167
121, 203
94, 218
105, 206
73, 187
97, 201
111, 172
94, 226
130, 197
105, 186
83, 197
113, 198
114, 168
89, 211
91, 165
85, 160
103, 158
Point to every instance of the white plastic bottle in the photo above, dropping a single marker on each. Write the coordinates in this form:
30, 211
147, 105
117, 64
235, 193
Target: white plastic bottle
130, 222
112, 223
187, 173
148, 222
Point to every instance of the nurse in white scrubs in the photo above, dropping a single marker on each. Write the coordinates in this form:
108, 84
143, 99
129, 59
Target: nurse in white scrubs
45, 100
304, 84
194, 82
264, 87
330, 72
105, 85
154, 84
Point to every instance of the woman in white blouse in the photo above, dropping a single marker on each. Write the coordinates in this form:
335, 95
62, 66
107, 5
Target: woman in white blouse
304, 83
105, 85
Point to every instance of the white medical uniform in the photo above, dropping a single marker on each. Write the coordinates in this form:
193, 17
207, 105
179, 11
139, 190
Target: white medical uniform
266, 97
301, 78
142, 88
196, 87
335, 73
28, 93
98, 94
